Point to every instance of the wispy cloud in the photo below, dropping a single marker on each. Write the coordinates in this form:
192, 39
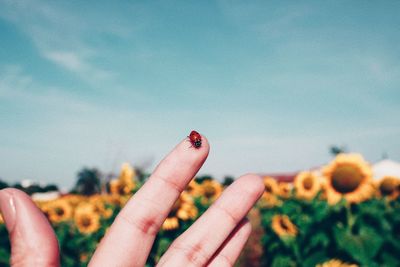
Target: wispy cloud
77, 64
59, 35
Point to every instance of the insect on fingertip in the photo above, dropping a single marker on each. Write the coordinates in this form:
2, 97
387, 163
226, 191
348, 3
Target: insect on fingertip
195, 139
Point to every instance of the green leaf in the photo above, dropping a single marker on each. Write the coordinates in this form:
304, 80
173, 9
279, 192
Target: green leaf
318, 257
281, 261
362, 247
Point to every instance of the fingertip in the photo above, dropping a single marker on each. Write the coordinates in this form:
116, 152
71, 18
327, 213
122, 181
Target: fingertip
252, 183
7, 208
32, 238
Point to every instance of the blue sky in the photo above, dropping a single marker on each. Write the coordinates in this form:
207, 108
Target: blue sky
272, 84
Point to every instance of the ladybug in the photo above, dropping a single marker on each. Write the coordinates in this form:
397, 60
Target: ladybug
195, 139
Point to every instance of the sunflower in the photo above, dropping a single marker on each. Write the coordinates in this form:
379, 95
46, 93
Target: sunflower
350, 177
170, 223
86, 219
336, 263
121, 187
324, 188
307, 185
99, 203
74, 200
283, 227
58, 210
271, 185
183, 209
118, 200
284, 190
128, 173
388, 187
269, 200
210, 190
193, 188
125, 183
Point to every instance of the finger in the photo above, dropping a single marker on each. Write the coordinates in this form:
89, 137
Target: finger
33, 242
130, 238
197, 245
230, 250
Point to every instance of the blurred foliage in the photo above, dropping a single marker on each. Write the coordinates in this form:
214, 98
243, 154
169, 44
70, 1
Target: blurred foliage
88, 182
365, 233
300, 224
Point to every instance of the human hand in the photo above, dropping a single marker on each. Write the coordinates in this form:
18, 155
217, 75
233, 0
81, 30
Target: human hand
215, 239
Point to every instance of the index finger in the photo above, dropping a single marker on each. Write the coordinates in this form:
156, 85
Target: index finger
129, 239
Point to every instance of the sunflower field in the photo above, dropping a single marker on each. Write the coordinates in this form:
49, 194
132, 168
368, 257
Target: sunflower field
338, 215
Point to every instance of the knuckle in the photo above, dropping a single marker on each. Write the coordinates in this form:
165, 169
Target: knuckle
169, 183
146, 225
229, 214
223, 261
194, 254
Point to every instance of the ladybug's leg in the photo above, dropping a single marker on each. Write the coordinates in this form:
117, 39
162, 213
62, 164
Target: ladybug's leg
190, 143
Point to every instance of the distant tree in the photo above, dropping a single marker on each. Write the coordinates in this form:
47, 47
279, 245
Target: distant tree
33, 188
3, 184
228, 180
88, 182
141, 175
50, 188
334, 150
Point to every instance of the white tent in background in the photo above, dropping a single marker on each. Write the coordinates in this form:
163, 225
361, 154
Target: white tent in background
386, 167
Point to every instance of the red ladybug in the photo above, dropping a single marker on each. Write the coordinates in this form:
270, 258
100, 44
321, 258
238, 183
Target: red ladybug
195, 139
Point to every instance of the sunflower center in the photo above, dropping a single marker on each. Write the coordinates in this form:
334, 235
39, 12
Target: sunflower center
388, 186
59, 211
284, 224
268, 188
308, 183
86, 222
346, 178
209, 191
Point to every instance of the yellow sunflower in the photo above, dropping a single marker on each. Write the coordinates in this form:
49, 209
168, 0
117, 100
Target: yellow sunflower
121, 187
183, 209
125, 183
283, 226
210, 190
193, 188
127, 174
58, 210
336, 263
388, 187
74, 200
284, 190
171, 223
269, 200
324, 188
86, 219
271, 185
350, 177
307, 185
99, 203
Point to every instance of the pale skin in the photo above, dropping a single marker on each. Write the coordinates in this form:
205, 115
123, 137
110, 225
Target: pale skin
215, 239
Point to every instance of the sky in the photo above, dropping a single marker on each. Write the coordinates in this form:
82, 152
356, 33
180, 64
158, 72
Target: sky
272, 84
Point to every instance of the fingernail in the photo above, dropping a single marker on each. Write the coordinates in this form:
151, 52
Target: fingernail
7, 208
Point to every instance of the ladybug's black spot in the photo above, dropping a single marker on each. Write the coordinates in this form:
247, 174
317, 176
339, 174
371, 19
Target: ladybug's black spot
197, 143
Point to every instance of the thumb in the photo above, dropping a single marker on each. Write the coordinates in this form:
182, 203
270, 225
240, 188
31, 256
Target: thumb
33, 242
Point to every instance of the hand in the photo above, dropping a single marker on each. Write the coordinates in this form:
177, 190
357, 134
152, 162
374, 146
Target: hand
215, 239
